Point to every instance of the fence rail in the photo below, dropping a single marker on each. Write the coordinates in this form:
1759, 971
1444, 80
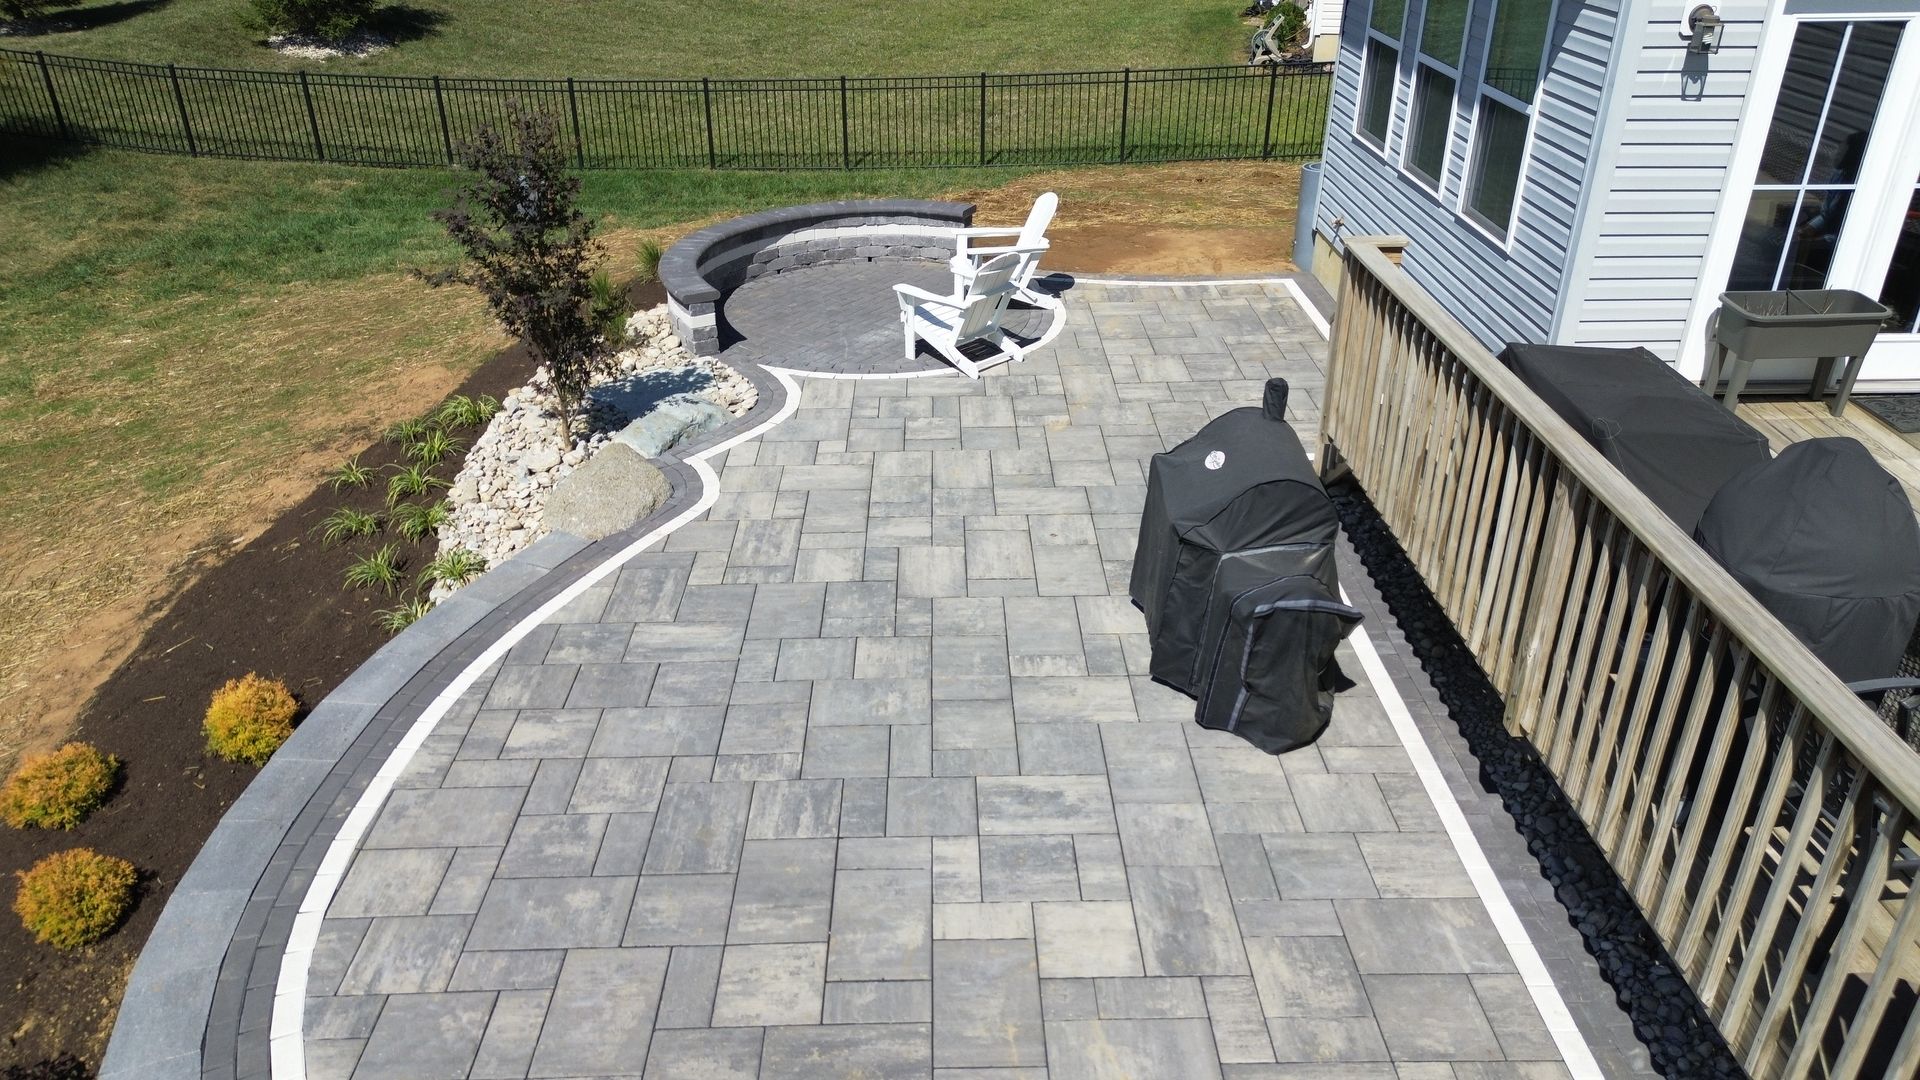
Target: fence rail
1070, 118
1761, 816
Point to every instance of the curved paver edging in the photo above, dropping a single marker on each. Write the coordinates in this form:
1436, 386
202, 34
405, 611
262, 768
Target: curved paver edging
703, 267
198, 1004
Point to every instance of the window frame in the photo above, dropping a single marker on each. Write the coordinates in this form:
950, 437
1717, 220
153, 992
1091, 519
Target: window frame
1436, 185
1370, 39
1529, 110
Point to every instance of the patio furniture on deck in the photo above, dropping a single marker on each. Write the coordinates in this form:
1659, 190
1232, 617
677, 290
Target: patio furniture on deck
965, 328
1653, 425
1029, 242
1791, 324
1235, 573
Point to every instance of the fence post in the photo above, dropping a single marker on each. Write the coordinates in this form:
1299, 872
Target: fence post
1266, 143
446, 130
706, 97
59, 115
1126, 98
846, 146
983, 118
313, 118
573, 109
180, 99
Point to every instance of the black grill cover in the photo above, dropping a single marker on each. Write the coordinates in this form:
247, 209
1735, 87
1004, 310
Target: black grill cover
1270, 674
1825, 539
1235, 573
1666, 435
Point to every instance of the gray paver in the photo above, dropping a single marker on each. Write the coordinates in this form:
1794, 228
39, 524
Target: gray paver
739, 812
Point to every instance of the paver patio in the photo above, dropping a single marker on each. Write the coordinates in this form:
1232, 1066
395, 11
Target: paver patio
860, 774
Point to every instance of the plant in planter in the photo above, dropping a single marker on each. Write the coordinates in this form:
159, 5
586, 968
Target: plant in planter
58, 790
249, 718
529, 249
74, 898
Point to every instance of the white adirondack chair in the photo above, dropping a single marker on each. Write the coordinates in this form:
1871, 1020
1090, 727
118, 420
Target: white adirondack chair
1029, 242
965, 328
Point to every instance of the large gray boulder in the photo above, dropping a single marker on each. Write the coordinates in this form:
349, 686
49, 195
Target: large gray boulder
671, 422
614, 490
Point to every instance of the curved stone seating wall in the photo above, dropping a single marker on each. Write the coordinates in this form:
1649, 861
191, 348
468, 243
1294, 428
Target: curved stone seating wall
701, 269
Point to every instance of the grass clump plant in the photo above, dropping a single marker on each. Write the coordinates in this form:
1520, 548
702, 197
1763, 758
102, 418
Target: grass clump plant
648, 263
461, 411
249, 718
379, 570
58, 790
406, 431
351, 474
404, 614
608, 309
433, 447
410, 480
454, 567
417, 521
347, 524
72, 899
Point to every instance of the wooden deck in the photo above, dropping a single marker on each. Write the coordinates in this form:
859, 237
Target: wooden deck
1788, 422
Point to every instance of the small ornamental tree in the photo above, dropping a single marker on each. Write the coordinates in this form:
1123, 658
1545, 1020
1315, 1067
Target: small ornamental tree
328, 20
24, 10
529, 249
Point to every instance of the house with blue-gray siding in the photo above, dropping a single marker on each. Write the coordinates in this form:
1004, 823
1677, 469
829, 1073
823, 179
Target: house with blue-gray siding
1598, 172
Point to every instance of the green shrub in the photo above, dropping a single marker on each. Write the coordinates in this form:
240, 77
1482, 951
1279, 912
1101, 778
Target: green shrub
463, 411
330, 20
22, 10
411, 480
378, 570
433, 447
352, 474
249, 718
649, 263
409, 611
347, 524
608, 309
58, 790
74, 898
417, 521
455, 567
1292, 21
406, 431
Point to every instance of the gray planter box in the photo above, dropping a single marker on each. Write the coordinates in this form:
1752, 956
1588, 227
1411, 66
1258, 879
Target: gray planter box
1824, 324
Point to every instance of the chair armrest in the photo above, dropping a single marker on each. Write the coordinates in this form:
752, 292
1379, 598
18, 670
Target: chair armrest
1008, 249
1875, 686
989, 230
925, 297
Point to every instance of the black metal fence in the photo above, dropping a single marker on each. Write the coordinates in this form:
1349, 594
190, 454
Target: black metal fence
1167, 114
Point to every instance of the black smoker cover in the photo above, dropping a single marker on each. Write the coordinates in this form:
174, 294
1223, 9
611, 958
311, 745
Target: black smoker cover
1825, 539
1235, 573
1664, 433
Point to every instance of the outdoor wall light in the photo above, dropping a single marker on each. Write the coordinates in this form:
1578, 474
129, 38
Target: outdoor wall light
1703, 30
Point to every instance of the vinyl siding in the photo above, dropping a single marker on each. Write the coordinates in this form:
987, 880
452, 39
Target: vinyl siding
1660, 185
1501, 292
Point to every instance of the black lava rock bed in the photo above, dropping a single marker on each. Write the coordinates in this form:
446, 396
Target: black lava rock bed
1680, 1037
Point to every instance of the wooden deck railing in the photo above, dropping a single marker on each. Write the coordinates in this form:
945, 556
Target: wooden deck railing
1761, 816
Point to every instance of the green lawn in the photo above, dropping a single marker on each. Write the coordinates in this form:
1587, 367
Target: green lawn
676, 39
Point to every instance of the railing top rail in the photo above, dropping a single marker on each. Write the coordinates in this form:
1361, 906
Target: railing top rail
1894, 763
1091, 75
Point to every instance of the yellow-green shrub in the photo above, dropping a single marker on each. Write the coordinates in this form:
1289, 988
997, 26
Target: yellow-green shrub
57, 790
249, 718
74, 898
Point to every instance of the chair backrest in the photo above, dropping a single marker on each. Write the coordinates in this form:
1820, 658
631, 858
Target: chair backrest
987, 297
1035, 230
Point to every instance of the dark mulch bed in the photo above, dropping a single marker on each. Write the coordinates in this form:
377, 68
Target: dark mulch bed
275, 606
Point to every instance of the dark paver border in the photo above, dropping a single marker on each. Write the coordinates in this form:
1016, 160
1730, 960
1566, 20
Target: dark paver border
199, 1003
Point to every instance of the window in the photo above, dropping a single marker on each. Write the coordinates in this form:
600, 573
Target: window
1380, 73
1443, 33
1836, 73
1902, 291
1516, 49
